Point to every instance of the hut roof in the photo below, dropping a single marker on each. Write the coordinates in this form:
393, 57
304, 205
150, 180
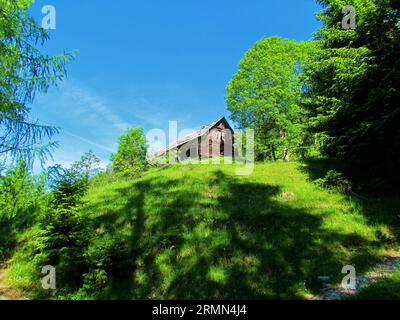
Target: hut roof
199, 133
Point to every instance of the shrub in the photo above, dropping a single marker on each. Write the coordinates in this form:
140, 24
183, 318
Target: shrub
95, 281
130, 159
110, 252
335, 180
22, 198
64, 233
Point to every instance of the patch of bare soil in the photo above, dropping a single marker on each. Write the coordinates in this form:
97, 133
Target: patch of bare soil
380, 271
6, 291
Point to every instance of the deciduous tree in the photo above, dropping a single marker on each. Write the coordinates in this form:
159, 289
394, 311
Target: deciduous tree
265, 95
130, 158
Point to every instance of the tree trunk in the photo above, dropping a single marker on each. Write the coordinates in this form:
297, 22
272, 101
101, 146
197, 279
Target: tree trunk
273, 153
286, 154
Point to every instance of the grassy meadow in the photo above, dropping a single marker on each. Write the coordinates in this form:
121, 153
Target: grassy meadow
203, 232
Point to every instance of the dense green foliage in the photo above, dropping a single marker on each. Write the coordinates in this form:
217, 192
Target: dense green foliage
265, 95
24, 71
47, 210
22, 198
353, 90
63, 233
339, 92
130, 158
335, 180
20, 191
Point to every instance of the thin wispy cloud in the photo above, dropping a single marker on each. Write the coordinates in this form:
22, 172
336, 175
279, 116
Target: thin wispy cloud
90, 119
87, 120
84, 100
90, 142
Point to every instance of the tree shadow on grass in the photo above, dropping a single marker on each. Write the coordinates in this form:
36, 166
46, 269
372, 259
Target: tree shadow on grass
317, 168
276, 251
376, 208
7, 238
127, 224
235, 241
11, 227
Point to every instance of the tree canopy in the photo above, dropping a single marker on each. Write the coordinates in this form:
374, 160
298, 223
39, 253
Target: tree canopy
265, 95
24, 71
88, 166
341, 90
130, 158
353, 89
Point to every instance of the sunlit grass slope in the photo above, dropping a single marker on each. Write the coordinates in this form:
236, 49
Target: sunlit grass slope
384, 289
200, 231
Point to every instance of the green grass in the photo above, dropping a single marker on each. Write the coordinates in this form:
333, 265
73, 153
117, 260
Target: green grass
385, 289
200, 231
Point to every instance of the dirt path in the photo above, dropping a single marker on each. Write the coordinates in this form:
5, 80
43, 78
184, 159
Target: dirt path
3, 287
379, 272
7, 292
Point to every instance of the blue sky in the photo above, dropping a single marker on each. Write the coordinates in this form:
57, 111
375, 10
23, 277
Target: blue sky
146, 63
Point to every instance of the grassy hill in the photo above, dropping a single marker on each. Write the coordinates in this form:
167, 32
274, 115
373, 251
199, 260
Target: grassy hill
200, 231
203, 232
